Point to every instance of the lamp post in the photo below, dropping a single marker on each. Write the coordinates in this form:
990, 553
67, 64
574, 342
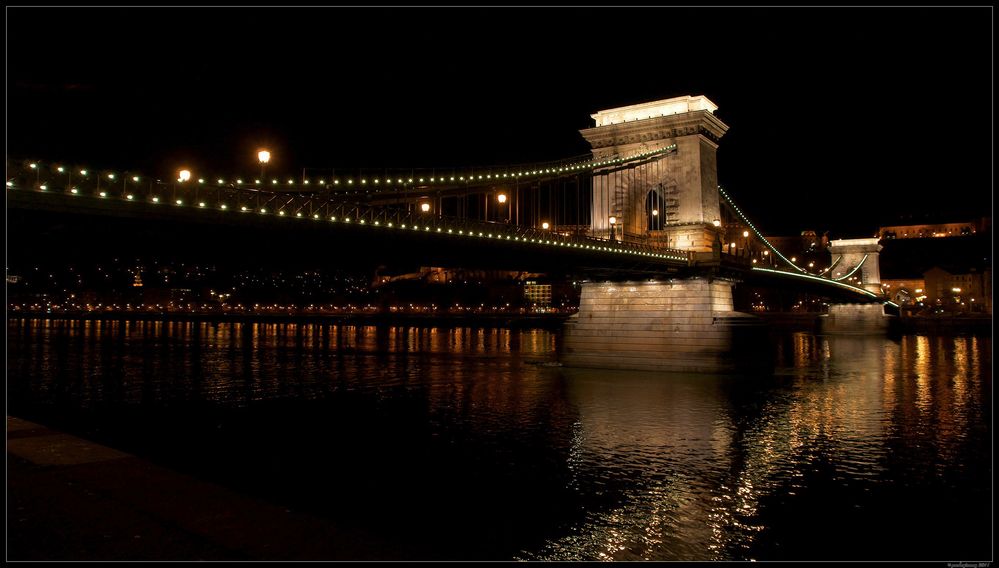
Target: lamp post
613, 223
83, 174
182, 176
502, 200
263, 156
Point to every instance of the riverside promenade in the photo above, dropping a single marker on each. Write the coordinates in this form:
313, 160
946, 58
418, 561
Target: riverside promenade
71, 499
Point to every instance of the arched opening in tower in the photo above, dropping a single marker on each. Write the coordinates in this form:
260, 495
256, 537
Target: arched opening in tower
655, 211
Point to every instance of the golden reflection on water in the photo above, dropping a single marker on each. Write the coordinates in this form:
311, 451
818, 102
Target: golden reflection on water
664, 466
705, 465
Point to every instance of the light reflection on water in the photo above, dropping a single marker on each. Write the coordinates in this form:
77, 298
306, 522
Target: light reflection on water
857, 447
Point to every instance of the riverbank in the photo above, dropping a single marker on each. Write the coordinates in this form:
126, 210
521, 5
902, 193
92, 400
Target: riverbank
944, 324
502, 320
70, 499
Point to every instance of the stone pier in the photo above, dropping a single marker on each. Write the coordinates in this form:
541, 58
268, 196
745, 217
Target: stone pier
847, 255
681, 325
855, 319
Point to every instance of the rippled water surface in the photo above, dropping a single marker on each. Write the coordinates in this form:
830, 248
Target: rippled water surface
472, 443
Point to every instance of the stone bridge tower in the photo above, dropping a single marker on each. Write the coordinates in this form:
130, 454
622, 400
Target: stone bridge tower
848, 253
669, 200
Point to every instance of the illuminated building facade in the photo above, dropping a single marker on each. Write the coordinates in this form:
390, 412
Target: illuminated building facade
537, 294
959, 289
931, 230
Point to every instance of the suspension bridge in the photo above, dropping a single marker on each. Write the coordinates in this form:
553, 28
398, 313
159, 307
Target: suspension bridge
643, 214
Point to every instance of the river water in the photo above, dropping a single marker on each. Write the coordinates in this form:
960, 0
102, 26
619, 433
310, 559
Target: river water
473, 443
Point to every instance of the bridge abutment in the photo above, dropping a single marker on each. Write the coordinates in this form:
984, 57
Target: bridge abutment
852, 256
681, 326
856, 319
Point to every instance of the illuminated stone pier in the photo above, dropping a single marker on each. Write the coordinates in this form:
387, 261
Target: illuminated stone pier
857, 257
681, 325
855, 319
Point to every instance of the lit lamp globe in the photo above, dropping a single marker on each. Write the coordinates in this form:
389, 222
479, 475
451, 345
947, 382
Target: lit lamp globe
263, 156
184, 175
545, 225
716, 223
424, 207
501, 198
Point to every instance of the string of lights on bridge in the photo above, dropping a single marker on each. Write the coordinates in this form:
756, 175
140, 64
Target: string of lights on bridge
552, 241
855, 269
570, 167
867, 293
757, 232
455, 178
831, 266
802, 273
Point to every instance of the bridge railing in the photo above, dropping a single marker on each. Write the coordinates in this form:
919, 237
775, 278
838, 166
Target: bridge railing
335, 208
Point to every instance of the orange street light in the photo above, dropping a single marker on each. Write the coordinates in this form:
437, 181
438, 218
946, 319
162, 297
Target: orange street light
263, 156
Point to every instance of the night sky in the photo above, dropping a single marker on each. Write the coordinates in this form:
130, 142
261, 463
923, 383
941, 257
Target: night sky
841, 120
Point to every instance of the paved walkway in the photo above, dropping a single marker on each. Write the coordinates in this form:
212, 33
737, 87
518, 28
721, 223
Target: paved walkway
71, 499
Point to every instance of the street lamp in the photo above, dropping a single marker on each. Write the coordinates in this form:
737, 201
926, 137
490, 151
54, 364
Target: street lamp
545, 225
502, 200
263, 156
182, 176
613, 222
425, 207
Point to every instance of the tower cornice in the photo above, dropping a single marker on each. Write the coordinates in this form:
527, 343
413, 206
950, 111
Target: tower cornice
701, 122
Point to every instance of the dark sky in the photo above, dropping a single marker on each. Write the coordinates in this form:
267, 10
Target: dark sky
840, 119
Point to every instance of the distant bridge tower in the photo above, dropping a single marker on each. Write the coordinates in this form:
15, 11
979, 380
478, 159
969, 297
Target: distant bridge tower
848, 253
671, 200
